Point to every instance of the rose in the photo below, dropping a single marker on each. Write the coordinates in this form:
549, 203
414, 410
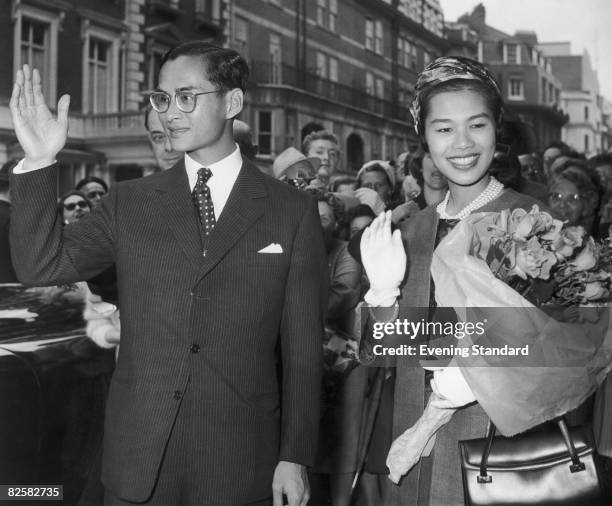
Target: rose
587, 258
523, 224
567, 241
533, 260
594, 291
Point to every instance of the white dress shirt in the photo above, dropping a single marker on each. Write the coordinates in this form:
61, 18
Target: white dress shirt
224, 175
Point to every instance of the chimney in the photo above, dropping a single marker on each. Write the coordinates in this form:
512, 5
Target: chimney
478, 16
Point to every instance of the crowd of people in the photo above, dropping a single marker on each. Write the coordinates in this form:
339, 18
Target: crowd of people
458, 169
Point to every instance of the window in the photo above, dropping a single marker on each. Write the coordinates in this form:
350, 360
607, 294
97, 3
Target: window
380, 88
369, 83
264, 132
35, 42
515, 89
327, 13
551, 92
333, 69
321, 5
544, 87
586, 113
426, 58
155, 58
101, 70
512, 54
241, 33
480, 51
404, 53
369, 34
586, 143
378, 38
208, 8
333, 14
322, 65
276, 62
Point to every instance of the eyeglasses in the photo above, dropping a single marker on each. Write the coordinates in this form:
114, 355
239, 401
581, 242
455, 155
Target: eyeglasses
73, 205
184, 100
556, 198
95, 194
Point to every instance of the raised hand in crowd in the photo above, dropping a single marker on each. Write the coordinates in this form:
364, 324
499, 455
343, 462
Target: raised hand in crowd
40, 134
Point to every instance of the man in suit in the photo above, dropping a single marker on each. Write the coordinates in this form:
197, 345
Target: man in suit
221, 276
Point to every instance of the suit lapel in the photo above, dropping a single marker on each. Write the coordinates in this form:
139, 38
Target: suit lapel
243, 208
176, 209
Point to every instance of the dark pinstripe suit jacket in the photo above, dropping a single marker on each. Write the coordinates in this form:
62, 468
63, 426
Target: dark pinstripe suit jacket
240, 307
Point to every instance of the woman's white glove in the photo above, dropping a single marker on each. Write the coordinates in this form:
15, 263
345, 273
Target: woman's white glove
383, 257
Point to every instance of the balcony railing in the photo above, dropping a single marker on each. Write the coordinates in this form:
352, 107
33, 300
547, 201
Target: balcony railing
126, 125
265, 73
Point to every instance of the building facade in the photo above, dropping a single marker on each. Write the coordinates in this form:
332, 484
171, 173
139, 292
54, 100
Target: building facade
104, 54
346, 65
580, 97
532, 91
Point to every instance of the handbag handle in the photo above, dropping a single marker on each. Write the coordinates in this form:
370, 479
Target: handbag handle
575, 466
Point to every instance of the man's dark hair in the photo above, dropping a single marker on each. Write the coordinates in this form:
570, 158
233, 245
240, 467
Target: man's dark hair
225, 68
91, 179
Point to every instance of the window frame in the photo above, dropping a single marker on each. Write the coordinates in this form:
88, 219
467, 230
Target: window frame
379, 37
269, 133
113, 91
53, 20
369, 34
521, 82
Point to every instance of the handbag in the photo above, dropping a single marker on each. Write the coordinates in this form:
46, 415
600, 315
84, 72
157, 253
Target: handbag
549, 467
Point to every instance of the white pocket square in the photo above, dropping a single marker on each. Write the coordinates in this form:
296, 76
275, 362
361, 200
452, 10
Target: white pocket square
272, 248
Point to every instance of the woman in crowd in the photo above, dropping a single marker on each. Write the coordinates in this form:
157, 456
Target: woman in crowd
457, 112
93, 188
72, 206
574, 195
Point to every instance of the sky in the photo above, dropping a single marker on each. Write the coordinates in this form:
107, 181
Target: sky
587, 24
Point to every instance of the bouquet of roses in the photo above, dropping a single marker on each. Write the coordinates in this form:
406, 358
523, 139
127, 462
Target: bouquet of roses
546, 261
520, 271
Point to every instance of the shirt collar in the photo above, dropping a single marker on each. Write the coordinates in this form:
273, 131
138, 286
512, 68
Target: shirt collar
226, 169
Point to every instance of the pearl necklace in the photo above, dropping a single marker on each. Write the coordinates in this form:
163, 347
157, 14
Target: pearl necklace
489, 194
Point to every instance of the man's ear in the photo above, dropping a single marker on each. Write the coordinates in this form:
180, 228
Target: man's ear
234, 100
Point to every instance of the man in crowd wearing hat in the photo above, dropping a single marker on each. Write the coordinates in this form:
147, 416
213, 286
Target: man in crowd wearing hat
294, 168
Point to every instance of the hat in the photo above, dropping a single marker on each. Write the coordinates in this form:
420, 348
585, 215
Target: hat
386, 167
290, 157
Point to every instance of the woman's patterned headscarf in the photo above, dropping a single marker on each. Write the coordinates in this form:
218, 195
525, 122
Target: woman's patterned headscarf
444, 69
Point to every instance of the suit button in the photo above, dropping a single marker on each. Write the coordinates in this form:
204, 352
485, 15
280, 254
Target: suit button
177, 395
204, 252
194, 348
